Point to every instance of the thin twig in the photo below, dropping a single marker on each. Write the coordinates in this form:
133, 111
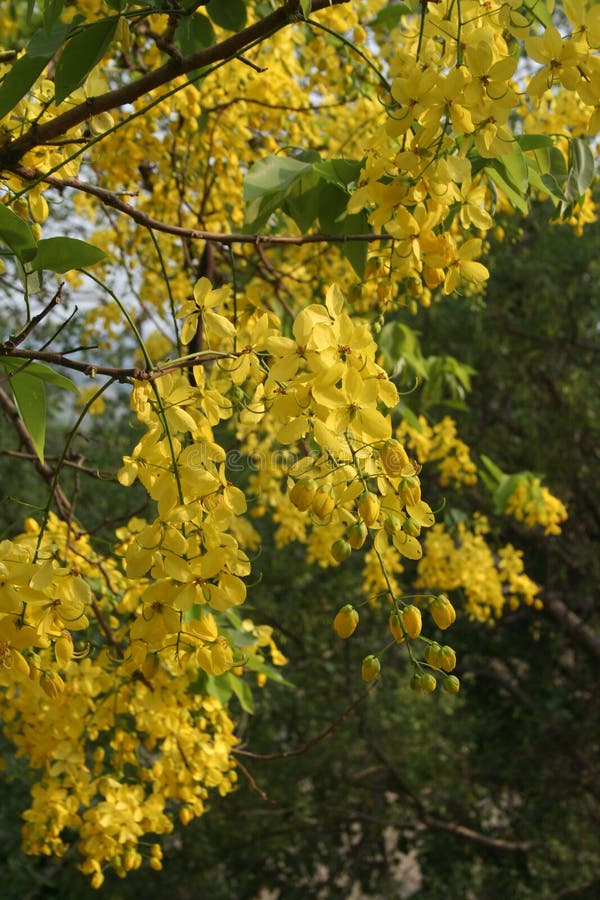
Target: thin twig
252, 782
105, 629
16, 339
314, 741
73, 464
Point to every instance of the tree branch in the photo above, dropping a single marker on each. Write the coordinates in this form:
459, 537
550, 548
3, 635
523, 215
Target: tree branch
116, 372
573, 624
232, 46
112, 199
462, 831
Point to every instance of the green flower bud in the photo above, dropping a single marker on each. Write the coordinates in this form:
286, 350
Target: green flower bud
451, 684
370, 669
341, 550
357, 535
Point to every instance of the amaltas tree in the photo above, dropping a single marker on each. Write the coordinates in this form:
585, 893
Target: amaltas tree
262, 187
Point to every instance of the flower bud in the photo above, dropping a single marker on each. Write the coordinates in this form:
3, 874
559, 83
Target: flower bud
442, 612
323, 503
392, 524
447, 659
411, 619
186, 814
427, 683
302, 493
368, 508
63, 649
18, 663
370, 668
341, 550
433, 654
346, 621
412, 527
357, 535
394, 458
410, 490
395, 626
52, 684
451, 684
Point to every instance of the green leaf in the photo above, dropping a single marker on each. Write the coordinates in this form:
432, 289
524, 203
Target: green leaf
17, 82
409, 416
275, 173
303, 207
546, 184
30, 397
260, 211
219, 686
332, 206
390, 16
257, 664
342, 172
540, 11
41, 371
334, 220
52, 11
306, 6
356, 251
81, 54
533, 141
242, 691
400, 346
581, 172
229, 14
507, 486
194, 33
17, 234
515, 167
60, 254
40, 50
492, 468
495, 171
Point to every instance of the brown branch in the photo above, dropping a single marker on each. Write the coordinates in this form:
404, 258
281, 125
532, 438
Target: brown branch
112, 199
252, 782
463, 831
116, 372
573, 624
63, 505
105, 629
477, 837
20, 336
74, 464
314, 741
231, 47
284, 107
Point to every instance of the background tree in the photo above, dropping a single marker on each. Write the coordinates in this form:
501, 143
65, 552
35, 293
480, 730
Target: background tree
266, 418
